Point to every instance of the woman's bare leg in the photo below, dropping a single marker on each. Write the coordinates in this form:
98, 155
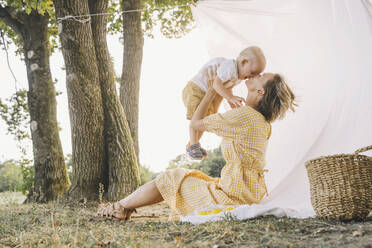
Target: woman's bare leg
145, 195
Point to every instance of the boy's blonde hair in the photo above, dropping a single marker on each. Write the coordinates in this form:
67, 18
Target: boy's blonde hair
253, 53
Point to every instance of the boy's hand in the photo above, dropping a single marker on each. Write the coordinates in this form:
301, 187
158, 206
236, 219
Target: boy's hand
235, 101
231, 105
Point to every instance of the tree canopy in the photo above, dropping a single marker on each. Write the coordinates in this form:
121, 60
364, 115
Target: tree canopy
172, 17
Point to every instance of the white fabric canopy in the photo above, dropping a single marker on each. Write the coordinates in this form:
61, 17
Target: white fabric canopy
324, 50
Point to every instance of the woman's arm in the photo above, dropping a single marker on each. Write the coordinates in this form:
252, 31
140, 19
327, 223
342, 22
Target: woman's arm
234, 101
197, 119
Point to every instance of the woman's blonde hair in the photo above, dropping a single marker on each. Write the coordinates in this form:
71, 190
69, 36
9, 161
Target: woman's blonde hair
277, 99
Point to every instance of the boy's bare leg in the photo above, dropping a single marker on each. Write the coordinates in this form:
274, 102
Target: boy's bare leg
145, 195
216, 104
193, 136
200, 134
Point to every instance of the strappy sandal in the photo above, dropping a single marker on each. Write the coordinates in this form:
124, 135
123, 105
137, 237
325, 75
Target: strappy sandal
114, 211
194, 152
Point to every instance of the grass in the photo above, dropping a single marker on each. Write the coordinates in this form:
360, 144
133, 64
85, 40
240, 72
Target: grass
9, 198
73, 225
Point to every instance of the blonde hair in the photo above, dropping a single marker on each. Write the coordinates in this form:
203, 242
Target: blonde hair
277, 99
252, 53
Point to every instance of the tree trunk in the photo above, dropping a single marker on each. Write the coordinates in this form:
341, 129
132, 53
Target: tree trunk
51, 177
123, 176
132, 60
85, 100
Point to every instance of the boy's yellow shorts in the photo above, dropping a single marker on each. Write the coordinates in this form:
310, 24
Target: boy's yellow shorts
192, 96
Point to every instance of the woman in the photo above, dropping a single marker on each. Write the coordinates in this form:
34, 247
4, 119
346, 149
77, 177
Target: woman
245, 132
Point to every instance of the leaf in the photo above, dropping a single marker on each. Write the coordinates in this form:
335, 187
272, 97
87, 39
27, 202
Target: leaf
28, 10
178, 240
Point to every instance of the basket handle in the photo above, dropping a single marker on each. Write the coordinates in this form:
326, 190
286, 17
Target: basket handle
363, 149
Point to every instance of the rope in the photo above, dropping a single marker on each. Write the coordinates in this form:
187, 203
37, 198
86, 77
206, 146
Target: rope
86, 18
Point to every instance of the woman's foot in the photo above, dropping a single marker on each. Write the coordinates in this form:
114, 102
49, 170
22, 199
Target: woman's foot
114, 211
194, 151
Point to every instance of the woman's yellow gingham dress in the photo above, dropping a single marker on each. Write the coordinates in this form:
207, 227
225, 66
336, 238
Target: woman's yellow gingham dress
245, 133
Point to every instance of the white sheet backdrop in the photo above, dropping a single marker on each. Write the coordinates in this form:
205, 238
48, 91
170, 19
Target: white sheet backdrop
324, 50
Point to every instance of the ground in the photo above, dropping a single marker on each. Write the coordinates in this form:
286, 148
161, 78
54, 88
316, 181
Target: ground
73, 225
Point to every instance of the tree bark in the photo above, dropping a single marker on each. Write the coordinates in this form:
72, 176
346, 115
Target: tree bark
51, 177
121, 161
132, 61
85, 100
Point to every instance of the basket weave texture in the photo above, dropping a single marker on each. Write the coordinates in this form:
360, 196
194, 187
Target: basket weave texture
341, 185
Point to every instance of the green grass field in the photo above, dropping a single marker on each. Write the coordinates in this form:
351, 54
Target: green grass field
73, 225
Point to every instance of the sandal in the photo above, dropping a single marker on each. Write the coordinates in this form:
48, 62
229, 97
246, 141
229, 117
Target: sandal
114, 211
194, 151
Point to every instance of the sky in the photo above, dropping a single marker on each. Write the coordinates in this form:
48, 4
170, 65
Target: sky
167, 66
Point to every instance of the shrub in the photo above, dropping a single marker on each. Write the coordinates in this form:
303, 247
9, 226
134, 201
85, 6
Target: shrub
10, 176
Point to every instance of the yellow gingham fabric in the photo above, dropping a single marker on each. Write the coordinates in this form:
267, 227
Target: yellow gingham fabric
245, 133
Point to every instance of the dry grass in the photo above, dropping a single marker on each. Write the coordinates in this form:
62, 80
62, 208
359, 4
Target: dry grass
11, 198
73, 225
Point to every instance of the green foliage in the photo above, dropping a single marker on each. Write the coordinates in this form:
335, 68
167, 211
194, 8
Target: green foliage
53, 34
146, 175
173, 21
8, 37
114, 19
41, 6
25, 7
14, 111
16, 175
212, 165
28, 174
182, 161
10, 176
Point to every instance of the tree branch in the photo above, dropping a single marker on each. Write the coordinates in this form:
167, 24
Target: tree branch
11, 21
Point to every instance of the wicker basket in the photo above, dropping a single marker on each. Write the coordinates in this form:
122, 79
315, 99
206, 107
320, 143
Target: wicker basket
341, 185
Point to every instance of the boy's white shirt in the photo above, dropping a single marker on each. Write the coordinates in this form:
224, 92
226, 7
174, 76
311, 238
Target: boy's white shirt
225, 69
